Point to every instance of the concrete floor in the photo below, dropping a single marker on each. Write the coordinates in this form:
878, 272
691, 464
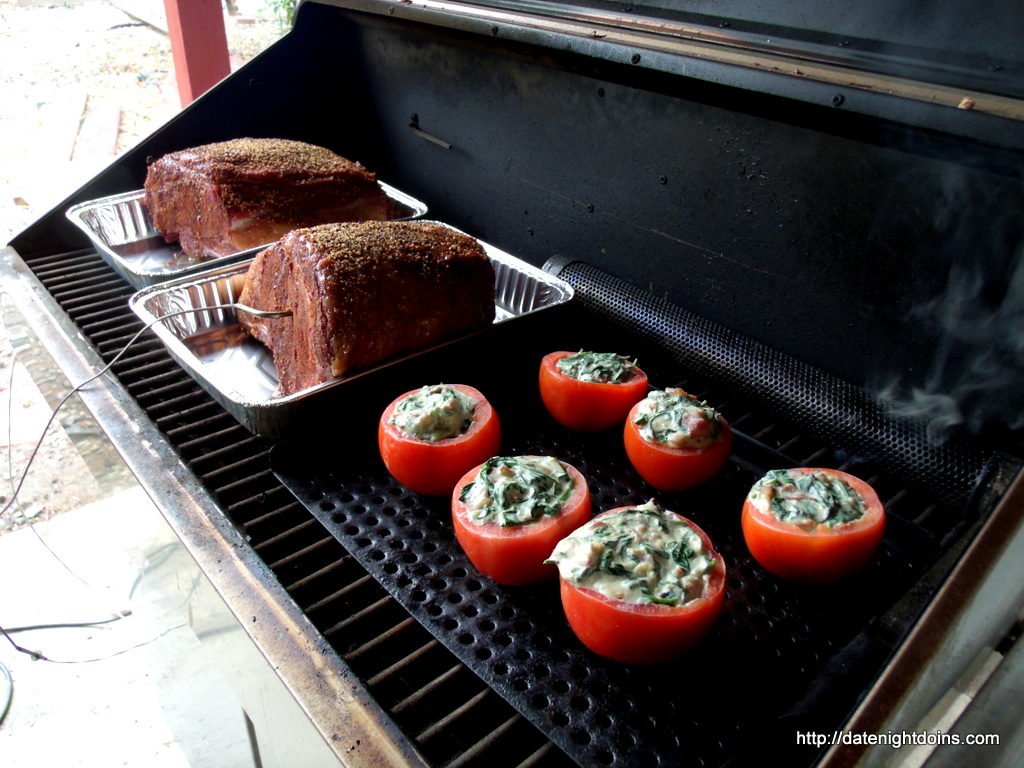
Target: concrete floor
112, 694
86, 544
90, 547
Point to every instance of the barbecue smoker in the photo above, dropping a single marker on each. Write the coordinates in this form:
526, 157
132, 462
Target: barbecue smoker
808, 215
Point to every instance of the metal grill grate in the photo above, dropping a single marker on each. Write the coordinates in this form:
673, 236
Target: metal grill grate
773, 643
448, 712
421, 677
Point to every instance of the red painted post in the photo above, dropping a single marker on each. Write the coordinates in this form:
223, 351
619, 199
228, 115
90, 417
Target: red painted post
199, 45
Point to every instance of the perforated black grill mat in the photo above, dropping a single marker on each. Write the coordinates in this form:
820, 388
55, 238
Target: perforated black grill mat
838, 413
748, 681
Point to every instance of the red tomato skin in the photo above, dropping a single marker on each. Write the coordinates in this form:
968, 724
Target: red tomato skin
822, 555
675, 469
587, 406
643, 634
515, 556
432, 469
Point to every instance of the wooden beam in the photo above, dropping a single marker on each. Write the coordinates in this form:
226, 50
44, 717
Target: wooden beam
199, 45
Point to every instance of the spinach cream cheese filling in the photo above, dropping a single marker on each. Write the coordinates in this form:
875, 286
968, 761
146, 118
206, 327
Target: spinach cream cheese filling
598, 367
675, 418
517, 490
434, 413
640, 555
807, 499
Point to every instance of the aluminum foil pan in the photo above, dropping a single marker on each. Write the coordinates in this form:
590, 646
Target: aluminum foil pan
238, 371
121, 230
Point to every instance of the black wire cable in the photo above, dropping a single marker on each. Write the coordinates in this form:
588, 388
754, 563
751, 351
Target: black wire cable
37, 655
66, 625
6, 691
10, 472
78, 387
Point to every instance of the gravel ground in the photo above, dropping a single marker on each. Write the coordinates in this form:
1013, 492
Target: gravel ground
65, 60
62, 63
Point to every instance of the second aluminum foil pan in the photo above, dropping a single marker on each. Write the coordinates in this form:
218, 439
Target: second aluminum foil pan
121, 230
238, 371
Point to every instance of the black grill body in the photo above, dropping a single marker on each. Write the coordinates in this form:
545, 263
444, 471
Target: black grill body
804, 254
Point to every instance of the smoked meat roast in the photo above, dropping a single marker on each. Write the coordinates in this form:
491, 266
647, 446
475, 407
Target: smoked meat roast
364, 292
219, 199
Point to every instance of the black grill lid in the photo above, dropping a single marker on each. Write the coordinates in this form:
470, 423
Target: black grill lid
889, 36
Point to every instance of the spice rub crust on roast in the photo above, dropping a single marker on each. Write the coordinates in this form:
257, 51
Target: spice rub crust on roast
363, 292
222, 198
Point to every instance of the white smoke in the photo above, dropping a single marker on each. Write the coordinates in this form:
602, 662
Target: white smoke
976, 376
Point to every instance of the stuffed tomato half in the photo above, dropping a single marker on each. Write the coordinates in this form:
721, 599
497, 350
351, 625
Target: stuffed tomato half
509, 513
590, 391
675, 441
812, 525
640, 584
429, 437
